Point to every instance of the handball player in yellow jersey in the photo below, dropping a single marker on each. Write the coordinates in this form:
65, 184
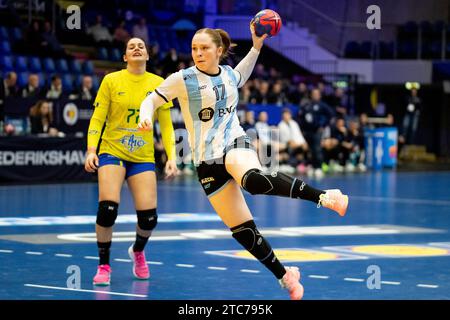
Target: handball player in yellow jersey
126, 153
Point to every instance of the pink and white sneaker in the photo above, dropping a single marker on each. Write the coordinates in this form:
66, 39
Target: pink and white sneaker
290, 281
140, 267
103, 276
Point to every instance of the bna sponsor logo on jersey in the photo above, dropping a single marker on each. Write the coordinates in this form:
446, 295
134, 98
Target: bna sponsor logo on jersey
132, 142
206, 114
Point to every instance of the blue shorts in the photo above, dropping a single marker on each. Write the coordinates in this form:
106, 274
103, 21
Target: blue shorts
131, 168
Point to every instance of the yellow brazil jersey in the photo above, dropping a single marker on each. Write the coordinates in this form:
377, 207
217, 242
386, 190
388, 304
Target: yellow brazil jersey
118, 101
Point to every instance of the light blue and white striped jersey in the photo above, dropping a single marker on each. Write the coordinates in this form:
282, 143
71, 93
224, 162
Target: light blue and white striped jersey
208, 105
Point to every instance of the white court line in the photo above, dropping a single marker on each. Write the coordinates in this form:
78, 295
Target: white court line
394, 283
353, 279
91, 258
185, 265
63, 255
34, 253
249, 271
318, 277
123, 260
217, 268
83, 290
432, 286
155, 262
6, 251
403, 200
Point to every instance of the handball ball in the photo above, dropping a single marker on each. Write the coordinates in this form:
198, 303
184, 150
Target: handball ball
267, 22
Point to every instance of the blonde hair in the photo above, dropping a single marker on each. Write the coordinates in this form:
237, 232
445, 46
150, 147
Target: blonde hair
221, 38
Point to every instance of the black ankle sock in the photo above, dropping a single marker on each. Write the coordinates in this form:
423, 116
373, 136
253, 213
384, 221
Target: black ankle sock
140, 243
103, 252
303, 191
249, 237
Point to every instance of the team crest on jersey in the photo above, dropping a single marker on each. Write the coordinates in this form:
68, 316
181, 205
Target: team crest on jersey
206, 114
132, 142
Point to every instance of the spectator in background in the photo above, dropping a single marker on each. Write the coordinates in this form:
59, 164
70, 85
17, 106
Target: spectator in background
338, 102
10, 87
245, 93
267, 149
260, 72
32, 88
140, 30
336, 146
357, 155
277, 95
34, 39
41, 119
259, 92
50, 43
249, 127
314, 117
299, 95
293, 145
411, 118
87, 91
100, 33
121, 35
170, 62
55, 89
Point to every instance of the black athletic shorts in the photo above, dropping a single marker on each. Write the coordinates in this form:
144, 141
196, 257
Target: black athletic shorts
213, 175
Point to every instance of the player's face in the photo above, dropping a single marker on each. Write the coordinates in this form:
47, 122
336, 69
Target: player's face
205, 53
136, 51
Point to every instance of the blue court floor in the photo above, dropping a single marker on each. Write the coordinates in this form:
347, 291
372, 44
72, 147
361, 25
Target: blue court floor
394, 243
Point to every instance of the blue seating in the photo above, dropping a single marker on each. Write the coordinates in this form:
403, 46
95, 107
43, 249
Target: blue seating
115, 55
102, 53
88, 67
5, 47
20, 63
4, 33
35, 64
42, 79
49, 65
22, 78
6, 63
386, 50
352, 49
77, 80
75, 66
16, 34
62, 66
366, 50
67, 82
95, 82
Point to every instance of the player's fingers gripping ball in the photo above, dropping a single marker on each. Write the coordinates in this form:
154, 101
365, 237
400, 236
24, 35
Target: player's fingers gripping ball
267, 22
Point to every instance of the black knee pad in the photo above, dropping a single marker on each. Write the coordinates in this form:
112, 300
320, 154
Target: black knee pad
107, 213
274, 183
147, 219
249, 237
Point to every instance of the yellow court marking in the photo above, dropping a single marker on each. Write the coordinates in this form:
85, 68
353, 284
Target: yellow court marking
400, 250
295, 255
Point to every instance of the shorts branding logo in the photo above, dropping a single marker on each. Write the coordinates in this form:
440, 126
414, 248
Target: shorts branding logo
206, 180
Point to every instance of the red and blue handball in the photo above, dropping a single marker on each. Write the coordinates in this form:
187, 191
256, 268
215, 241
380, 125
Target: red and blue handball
267, 22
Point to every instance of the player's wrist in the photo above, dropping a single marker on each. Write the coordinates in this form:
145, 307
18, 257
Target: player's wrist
91, 150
